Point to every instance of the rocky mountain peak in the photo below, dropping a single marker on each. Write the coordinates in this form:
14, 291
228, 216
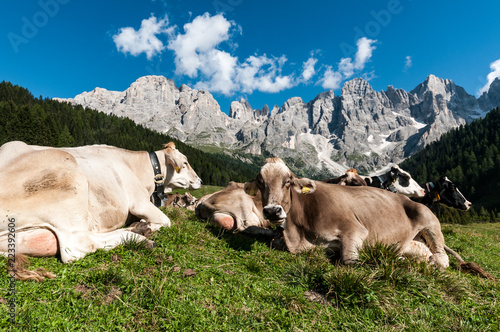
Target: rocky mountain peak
494, 92
399, 98
361, 128
240, 110
436, 86
357, 86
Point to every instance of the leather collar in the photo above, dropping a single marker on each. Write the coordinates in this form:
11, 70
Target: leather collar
158, 194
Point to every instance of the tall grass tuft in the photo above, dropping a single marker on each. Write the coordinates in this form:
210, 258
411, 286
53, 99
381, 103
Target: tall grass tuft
134, 244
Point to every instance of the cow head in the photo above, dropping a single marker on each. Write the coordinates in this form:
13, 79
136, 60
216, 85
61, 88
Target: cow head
350, 178
189, 199
275, 182
404, 184
447, 193
232, 209
179, 173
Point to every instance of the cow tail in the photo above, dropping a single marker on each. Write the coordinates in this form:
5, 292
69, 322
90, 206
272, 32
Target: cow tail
471, 267
21, 273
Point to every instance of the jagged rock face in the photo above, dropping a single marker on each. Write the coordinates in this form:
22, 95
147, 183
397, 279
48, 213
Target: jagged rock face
360, 128
191, 115
494, 93
491, 99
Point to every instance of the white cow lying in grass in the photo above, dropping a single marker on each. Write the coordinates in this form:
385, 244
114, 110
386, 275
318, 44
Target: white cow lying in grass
72, 201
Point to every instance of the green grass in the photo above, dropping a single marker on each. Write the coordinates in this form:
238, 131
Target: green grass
199, 193
200, 278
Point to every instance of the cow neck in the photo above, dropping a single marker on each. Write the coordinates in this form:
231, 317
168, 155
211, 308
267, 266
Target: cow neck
296, 211
388, 182
441, 197
434, 193
159, 180
379, 180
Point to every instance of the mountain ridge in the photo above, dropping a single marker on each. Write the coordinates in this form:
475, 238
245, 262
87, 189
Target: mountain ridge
360, 128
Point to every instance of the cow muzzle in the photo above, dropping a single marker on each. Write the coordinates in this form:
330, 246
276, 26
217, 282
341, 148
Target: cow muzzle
274, 213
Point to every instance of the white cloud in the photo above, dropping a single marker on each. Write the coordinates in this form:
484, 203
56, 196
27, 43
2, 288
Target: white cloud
495, 72
263, 74
369, 76
347, 68
204, 51
308, 70
408, 63
195, 50
219, 67
197, 56
145, 40
331, 79
364, 53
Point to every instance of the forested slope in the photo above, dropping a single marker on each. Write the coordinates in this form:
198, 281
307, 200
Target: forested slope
469, 156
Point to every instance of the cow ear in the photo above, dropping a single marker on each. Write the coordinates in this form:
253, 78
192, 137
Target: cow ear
304, 185
173, 158
250, 188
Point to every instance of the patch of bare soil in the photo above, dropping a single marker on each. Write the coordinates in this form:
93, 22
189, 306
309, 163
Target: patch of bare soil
114, 294
316, 297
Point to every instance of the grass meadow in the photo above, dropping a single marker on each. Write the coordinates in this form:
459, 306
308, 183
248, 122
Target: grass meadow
200, 278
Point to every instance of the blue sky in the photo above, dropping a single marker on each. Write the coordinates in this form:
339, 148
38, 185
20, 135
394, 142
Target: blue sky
263, 51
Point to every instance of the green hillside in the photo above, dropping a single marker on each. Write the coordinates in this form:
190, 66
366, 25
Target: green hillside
48, 122
469, 156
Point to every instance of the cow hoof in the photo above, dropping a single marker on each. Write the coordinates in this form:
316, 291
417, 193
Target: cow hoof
278, 242
351, 262
441, 261
152, 245
142, 228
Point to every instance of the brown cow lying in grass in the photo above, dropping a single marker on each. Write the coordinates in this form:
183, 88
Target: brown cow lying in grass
343, 218
234, 210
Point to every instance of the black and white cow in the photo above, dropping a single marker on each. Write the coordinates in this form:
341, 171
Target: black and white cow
444, 191
398, 181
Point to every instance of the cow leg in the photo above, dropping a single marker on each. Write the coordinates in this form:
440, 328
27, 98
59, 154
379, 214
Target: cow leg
37, 242
418, 250
294, 239
439, 257
430, 229
148, 211
141, 227
351, 243
435, 239
75, 246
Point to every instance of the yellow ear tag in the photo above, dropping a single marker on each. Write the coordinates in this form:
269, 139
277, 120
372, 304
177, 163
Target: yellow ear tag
438, 198
177, 169
305, 190
251, 192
